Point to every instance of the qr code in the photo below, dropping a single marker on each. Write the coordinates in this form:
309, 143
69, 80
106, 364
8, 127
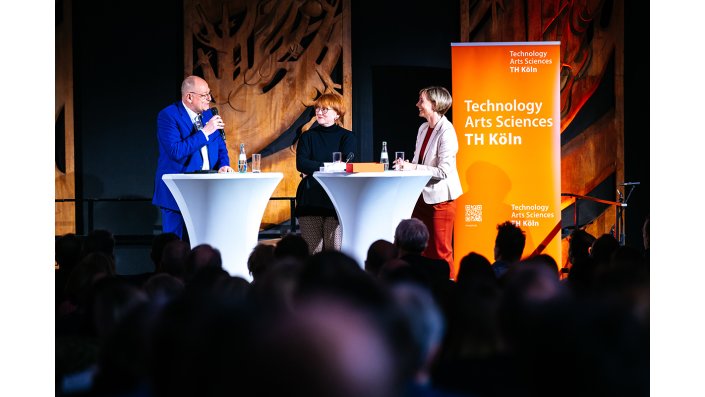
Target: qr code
473, 213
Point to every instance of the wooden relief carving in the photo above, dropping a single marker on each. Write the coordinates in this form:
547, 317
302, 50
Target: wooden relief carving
266, 62
592, 63
64, 174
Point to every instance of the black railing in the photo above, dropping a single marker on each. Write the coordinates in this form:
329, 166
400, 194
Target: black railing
90, 204
619, 232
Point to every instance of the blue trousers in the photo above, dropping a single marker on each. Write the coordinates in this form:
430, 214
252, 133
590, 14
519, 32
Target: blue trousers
173, 222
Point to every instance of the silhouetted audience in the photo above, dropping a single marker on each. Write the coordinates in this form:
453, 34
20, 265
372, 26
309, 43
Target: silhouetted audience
627, 275
508, 247
323, 325
601, 252
475, 268
329, 347
67, 253
582, 266
174, 258
334, 272
259, 261
202, 256
379, 252
158, 243
78, 287
162, 288
292, 245
534, 317
472, 360
426, 325
202, 345
99, 240
274, 292
124, 364
411, 238
543, 260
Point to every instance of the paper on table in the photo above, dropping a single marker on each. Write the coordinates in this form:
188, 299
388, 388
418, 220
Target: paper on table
334, 167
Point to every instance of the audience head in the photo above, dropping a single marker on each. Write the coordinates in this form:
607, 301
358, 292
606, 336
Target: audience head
475, 268
509, 243
124, 361
531, 293
337, 274
472, 313
202, 256
327, 347
579, 245
67, 251
202, 343
163, 288
204, 280
99, 241
259, 261
174, 258
544, 260
274, 291
602, 249
112, 300
397, 269
158, 243
91, 268
292, 245
426, 325
628, 270
379, 252
411, 236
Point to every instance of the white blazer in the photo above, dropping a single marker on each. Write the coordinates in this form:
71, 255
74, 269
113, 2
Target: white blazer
439, 158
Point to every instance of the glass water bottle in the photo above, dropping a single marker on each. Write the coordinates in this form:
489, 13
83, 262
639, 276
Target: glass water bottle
384, 157
242, 160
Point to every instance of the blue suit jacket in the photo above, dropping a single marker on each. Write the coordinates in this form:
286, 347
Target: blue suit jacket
180, 149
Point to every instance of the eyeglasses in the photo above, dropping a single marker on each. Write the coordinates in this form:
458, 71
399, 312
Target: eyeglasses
323, 111
203, 96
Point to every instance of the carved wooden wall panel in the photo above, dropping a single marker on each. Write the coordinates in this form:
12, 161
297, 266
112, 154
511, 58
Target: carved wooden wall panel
266, 62
64, 170
591, 33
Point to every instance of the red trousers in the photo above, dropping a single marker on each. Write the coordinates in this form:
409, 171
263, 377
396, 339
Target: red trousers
439, 219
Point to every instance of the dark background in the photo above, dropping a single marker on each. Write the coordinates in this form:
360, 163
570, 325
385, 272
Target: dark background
128, 65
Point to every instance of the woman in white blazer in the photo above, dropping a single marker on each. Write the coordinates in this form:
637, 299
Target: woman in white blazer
436, 150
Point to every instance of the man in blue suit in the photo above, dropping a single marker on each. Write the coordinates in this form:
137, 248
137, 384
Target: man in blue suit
186, 131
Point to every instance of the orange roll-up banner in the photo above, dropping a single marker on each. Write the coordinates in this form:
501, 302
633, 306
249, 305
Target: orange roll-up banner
506, 112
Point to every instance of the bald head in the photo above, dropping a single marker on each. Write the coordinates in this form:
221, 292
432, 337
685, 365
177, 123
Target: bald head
190, 84
195, 94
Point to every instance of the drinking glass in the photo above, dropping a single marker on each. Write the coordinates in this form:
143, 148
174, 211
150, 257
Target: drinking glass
399, 155
337, 157
256, 162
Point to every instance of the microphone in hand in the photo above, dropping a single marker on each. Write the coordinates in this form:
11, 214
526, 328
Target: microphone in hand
214, 110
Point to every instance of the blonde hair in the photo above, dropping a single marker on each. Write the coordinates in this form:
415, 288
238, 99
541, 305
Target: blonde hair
439, 97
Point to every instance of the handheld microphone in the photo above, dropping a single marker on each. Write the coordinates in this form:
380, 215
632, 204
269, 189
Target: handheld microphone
630, 183
214, 110
351, 155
